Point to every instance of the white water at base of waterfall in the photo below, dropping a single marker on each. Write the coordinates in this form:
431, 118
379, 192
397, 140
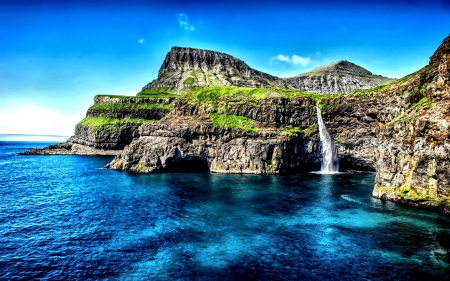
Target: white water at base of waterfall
330, 163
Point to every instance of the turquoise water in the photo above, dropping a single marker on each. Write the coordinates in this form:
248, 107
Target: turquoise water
66, 218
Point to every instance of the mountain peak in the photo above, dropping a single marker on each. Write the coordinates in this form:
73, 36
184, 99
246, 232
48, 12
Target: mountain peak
190, 67
337, 77
341, 66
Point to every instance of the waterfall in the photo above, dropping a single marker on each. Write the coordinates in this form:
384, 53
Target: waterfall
330, 163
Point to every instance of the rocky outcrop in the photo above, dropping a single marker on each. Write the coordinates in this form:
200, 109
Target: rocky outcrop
337, 77
106, 137
187, 67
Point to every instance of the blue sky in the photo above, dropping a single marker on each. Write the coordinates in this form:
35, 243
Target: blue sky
56, 55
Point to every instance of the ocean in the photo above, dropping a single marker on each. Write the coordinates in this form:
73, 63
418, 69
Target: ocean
64, 217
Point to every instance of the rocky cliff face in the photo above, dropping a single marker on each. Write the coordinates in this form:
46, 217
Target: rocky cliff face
413, 164
187, 67
337, 77
189, 138
112, 123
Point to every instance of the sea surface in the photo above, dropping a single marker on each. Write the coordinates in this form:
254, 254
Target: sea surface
67, 218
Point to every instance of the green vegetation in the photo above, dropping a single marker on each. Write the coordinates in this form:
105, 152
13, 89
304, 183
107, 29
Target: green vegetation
157, 92
130, 106
311, 132
409, 192
325, 108
211, 93
424, 86
219, 97
398, 118
110, 124
425, 103
291, 131
189, 81
232, 122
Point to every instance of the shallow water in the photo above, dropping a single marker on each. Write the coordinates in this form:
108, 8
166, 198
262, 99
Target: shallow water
64, 217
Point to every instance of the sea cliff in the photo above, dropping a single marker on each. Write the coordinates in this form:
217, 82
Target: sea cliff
208, 111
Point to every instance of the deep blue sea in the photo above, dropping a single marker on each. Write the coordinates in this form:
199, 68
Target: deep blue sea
66, 218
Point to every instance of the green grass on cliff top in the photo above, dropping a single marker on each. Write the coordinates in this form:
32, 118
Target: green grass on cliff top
130, 106
157, 92
213, 93
98, 123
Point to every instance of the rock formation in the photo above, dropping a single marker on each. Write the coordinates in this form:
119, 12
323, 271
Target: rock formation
188, 67
413, 164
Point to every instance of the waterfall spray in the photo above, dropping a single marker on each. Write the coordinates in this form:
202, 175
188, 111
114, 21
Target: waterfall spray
330, 162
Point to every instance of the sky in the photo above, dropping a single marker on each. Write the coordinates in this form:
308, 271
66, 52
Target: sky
55, 56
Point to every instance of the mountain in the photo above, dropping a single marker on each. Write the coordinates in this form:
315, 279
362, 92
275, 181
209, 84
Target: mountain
187, 67
337, 77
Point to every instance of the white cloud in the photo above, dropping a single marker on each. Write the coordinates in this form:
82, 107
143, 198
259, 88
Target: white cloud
141, 40
294, 60
298, 60
183, 20
283, 58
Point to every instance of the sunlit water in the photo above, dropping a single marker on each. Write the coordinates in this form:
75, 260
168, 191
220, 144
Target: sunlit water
65, 218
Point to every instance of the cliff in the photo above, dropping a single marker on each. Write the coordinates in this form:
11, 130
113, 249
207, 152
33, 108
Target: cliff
413, 164
226, 135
